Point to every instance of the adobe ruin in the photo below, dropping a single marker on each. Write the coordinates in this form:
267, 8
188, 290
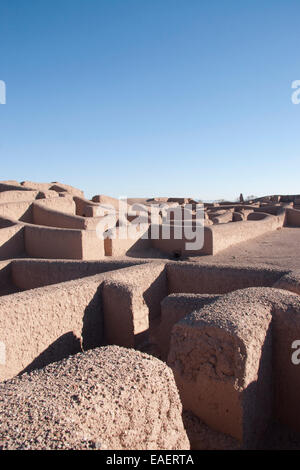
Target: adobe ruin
205, 344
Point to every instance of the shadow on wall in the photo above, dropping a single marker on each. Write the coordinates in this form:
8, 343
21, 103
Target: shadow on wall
27, 216
93, 323
258, 402
67, 345
14, 245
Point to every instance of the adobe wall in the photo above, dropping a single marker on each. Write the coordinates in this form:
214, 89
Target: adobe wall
63, 204
91, 401
50, 242
119, 247
226, 235
133, 303
173, 308
217, 279
12, 241
43, 325
54, 186
92, 245
85, 208
293, 217
227, 360
5, 277
20, 210
12, 186
23, 209
43, 215
221, 235
32, 273
286, 330
173, 246
17, 196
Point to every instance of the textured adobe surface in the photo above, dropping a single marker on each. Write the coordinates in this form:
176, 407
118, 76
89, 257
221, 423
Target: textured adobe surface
107, 398
222, 357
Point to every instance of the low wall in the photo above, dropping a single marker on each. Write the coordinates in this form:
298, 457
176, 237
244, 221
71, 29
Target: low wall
217, 279
5, 277
50, 242
23, 210
226, 235
174, 308
17, 196
63, 204
293, 217
20, 210
174, 246
12, 241
119, 247
12, 186
55, 218
85, 208
133, 304
220, 236
42, 242
46, 324
230, 356
33, 273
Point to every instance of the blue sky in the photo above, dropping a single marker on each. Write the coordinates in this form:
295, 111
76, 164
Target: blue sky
151, 97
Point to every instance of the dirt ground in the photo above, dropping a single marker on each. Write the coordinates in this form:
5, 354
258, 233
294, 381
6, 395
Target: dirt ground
280, 248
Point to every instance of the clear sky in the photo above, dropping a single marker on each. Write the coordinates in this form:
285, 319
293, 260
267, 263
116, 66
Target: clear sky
152, 97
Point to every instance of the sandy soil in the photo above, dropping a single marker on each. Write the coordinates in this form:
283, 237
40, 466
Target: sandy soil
280, 248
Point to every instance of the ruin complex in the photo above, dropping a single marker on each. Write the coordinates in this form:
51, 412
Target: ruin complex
137, 342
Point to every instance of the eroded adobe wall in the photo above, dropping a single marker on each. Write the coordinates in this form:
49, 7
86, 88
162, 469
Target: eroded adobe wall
226, 235
174, 307
173, 245
217, 279
12, 241
108, 399
50, 242
20, 210
227, 360
43, 215
17, 196
43, 325
85, 208
293, 217
117, 246
133, 303
31, 273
